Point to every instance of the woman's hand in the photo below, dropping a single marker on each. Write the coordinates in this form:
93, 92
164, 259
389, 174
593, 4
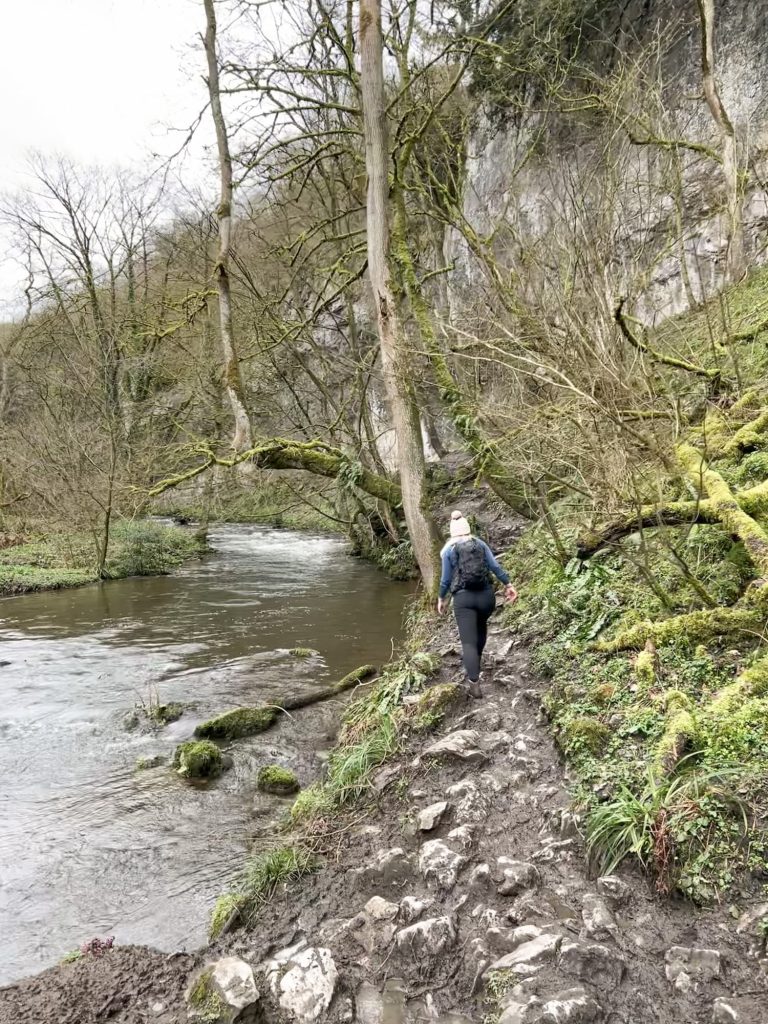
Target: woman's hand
442, 604
510, 593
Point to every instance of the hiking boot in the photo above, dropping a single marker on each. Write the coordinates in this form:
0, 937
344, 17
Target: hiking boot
474, 689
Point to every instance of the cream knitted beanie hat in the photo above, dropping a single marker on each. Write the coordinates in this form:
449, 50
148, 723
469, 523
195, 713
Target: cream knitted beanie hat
459, 525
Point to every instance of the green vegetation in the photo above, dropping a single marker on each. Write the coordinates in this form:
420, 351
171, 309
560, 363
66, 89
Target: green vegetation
262, 876
207, 1003
197, 759
137, 548
302, 652
233, 725
144, 763
273, 778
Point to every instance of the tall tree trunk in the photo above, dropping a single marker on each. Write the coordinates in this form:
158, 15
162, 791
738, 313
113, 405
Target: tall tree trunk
234, 383
731, 172
394, 353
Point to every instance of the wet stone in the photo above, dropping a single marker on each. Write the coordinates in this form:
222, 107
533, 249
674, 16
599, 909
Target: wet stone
688, 967
540, 949
591, 962
515, 876
411, 908
572, 1006
472, 803
599, 922
390, 867
431, 816
613, 888
480, 877
427, 938
303, 981
440, 864
464, 745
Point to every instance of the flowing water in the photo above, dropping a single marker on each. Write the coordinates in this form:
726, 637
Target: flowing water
88, 844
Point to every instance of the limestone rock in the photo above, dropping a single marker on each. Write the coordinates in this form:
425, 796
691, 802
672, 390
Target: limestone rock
480, 877
431, 816
472, 802
427, 938
591, 962
751, 921
374, 928
411, 908
573, 1006
463, 837
389, 868
613, 888
515, 876
303, 981
225, 988
463, 744
544, 947
440, 864
599, 922
724, 1012
687, 967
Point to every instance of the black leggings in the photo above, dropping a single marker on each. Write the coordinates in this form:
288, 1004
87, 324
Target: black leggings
472, 609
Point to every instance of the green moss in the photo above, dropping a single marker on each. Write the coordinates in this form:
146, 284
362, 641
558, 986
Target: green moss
302, 652
163, 714
197, 759
433, 704
313, 802
226, 905
585, 734
272, 778
143, 763
206, 1002
645, 670
357, 675
235, 724
680, 732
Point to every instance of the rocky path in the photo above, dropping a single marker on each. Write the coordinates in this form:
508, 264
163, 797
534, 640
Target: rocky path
464, 898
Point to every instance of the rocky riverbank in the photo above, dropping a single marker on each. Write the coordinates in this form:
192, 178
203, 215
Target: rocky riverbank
459, 893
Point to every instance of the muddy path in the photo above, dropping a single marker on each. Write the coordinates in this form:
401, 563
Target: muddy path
462, 895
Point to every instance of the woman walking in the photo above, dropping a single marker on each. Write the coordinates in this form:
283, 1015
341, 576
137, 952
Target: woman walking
467, 564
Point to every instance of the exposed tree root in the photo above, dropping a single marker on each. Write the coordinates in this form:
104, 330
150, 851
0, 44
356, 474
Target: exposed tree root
679, 735
695, 627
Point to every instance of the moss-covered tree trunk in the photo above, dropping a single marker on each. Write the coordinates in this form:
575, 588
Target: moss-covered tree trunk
396, 364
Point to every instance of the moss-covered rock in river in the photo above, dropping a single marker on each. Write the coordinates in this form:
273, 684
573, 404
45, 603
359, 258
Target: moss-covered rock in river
240, 722
273, 778
302, 652
142, 763
197, 759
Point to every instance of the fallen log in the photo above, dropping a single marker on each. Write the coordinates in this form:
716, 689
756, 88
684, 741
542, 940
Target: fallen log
249, 721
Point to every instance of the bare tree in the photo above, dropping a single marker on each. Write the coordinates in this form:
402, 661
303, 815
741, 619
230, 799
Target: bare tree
232, 376
394, 353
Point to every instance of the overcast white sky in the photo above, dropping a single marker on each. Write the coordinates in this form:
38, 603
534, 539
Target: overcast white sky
100, 81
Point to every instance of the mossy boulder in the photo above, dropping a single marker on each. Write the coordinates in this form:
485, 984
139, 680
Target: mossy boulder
197, 759
233, 725
585, 734
273, 778
302, 652
357, 675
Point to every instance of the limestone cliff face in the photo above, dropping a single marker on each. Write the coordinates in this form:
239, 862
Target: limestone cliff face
648, 218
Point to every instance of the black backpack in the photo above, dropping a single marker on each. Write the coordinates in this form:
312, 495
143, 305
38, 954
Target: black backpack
471, 571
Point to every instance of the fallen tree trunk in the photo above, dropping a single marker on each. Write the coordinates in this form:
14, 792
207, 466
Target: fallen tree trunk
285, 453
671, 513
233, 725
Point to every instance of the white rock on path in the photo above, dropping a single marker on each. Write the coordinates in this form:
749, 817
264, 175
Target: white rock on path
613, 888
303, 982
687, 967
573, 1006
542, 948
439, 863
431, 816
427, 938
463, 744
599, 922
515, 876
232, 979
411, 908
591, 962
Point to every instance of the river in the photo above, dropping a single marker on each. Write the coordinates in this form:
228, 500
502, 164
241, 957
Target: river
88, 844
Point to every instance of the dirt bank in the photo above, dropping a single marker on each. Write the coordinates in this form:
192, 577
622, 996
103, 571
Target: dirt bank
479, 910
